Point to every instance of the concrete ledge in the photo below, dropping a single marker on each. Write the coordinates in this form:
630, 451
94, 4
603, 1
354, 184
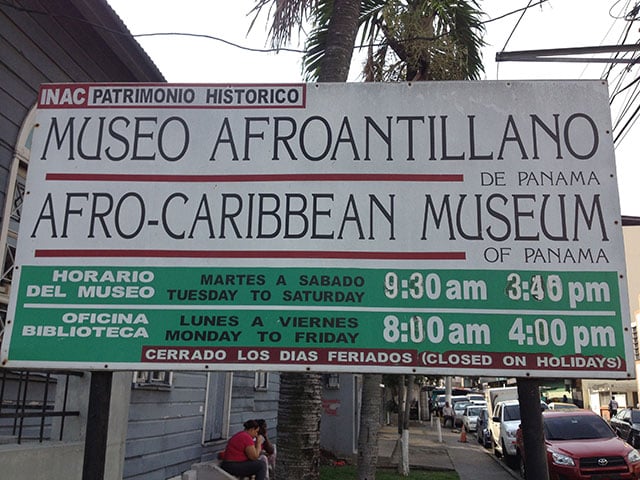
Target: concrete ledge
30, 460
210, 471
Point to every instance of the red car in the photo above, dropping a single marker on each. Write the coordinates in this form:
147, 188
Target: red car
582, 446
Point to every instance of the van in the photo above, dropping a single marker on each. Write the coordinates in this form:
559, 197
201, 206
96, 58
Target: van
499, 394
438, 396
476, 398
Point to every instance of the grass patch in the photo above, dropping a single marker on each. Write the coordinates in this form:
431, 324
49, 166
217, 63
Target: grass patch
349, 472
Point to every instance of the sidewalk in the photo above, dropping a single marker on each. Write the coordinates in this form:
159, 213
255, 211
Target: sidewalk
431, 450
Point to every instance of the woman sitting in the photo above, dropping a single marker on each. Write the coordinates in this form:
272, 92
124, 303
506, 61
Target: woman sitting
268, 454
241, 456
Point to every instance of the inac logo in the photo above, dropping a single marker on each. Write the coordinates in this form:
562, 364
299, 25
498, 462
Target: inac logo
62, 96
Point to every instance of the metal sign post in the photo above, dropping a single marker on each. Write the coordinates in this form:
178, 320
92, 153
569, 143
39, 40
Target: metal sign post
96, 437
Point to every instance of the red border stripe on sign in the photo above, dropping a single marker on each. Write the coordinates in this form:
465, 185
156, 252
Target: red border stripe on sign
287, 177
252, 254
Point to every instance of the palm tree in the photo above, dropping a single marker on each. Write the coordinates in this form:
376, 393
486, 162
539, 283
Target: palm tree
299, 412
339, 20
370, 412
408, 39
299, 407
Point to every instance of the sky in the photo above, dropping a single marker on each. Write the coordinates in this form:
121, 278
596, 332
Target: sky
553, 24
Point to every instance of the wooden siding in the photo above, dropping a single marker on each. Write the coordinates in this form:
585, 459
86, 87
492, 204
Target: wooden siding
53, 41
165, 426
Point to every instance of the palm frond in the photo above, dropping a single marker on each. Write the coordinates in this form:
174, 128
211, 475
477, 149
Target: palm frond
438, 39
285, 16
460, 22
316, 43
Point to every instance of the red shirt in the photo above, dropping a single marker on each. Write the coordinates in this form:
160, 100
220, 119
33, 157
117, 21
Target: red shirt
236, 446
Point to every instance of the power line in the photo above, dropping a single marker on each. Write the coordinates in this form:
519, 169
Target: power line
233, 44
540, 2
524, 10
218, 39
271, 50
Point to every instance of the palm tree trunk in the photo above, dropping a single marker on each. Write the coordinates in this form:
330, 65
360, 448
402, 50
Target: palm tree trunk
300, 403
341, 37
300, 406
299, 411
369, 426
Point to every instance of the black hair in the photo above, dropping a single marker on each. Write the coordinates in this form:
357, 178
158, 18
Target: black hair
249, 424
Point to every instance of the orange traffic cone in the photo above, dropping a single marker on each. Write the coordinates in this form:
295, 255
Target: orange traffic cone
463, 435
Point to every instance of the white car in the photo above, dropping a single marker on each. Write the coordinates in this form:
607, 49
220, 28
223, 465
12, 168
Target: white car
470, 417
503, 424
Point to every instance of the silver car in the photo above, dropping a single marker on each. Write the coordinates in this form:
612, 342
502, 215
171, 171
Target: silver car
458, 410
470, 417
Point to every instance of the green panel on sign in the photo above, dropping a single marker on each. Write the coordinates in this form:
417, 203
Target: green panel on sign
470, 318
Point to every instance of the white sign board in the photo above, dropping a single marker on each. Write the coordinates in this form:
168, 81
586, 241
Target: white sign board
439, 227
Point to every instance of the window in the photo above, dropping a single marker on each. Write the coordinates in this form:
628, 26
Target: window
3, 316
35, 405
152, 379
578, 427
261, 382
218, 406
511, 412
332, 381
13, 209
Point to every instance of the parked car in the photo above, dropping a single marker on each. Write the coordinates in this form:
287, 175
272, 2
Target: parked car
483, 434
438, 397
562, 406
459, 398
626, 424
470, 417
503, 425
458, 411
580, 446
441, 399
